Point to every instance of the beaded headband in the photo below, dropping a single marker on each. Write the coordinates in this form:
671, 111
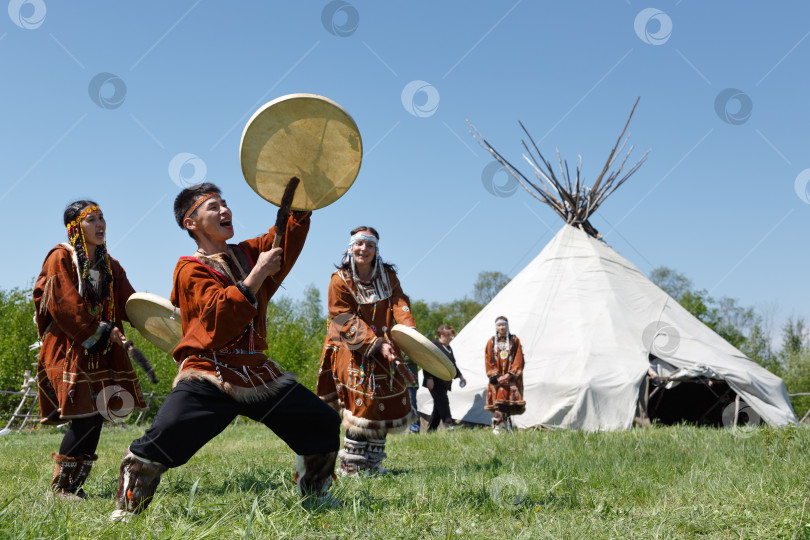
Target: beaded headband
83, 214
197, 204
368, 238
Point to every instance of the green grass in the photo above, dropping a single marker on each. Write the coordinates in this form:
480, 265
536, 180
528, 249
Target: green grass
678, 482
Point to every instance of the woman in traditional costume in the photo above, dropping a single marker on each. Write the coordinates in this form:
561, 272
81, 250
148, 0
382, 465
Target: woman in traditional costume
503, 360
84, 374
362, 374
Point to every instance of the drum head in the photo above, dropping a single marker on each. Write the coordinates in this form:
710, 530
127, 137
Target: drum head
156, 320
301, 135
422, 351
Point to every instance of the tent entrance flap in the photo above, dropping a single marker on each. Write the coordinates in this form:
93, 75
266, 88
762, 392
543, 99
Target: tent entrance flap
699, 401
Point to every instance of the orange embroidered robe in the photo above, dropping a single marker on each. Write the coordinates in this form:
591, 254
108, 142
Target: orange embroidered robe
224, 331
69, 378
353, 376
499, 361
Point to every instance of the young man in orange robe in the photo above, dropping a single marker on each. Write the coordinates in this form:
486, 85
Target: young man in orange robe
222, 292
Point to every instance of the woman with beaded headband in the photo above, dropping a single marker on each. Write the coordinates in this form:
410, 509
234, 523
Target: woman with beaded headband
503, 360
84, 375
362, 374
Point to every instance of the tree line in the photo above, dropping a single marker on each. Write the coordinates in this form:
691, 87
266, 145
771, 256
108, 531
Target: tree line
296, 331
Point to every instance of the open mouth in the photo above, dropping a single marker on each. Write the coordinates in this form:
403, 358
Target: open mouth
226, 223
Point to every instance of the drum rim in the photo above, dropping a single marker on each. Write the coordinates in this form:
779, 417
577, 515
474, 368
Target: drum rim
293, 97
415, 335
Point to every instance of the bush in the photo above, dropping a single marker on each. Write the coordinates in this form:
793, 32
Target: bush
18, 333
295, 335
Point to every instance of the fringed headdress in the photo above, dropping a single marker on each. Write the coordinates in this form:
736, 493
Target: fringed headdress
380, 288
94, 294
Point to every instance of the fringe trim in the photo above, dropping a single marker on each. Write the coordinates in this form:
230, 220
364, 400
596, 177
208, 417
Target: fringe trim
239, 393
375, 428
47, 295
76, 267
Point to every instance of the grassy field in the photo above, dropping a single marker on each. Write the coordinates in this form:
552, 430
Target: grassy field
678, 482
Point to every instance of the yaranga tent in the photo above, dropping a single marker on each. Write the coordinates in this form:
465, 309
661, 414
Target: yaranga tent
603, 345
598, 338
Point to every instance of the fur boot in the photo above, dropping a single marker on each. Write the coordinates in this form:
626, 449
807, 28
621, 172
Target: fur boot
82, 472
376, 453
64, 475
353, 458
137, 483
313, 477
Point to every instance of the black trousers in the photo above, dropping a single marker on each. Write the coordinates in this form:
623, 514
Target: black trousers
441, 407
196, 411
82, 436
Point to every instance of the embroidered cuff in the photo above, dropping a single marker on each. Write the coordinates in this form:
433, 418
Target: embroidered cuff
98, 341
248, 294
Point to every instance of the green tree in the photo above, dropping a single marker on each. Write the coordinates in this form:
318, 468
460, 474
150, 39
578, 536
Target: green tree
673, 283
295, 334
794, 337
457, 314
18, 333
740, 326
488, 285
794, 358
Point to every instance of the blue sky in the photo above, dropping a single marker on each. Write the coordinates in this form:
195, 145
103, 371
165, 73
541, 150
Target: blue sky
722, 197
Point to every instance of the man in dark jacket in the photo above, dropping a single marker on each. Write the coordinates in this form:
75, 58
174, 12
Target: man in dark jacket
438, 388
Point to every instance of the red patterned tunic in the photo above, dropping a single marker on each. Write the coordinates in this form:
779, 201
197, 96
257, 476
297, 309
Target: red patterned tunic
71, 379
499, 360
354, 378
223, 331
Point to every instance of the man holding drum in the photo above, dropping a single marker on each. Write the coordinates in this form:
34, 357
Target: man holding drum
222, 292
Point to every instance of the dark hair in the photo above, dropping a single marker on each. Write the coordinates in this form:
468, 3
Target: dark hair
75, 208
502, 318
346, 265
445, 328
91, 294
187, 198
372, 230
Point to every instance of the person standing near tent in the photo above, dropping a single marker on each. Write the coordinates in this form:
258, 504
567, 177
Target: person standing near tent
79, 298
438, 388
503, 359
362, 373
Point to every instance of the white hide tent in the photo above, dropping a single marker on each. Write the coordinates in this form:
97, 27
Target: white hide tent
593, 330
